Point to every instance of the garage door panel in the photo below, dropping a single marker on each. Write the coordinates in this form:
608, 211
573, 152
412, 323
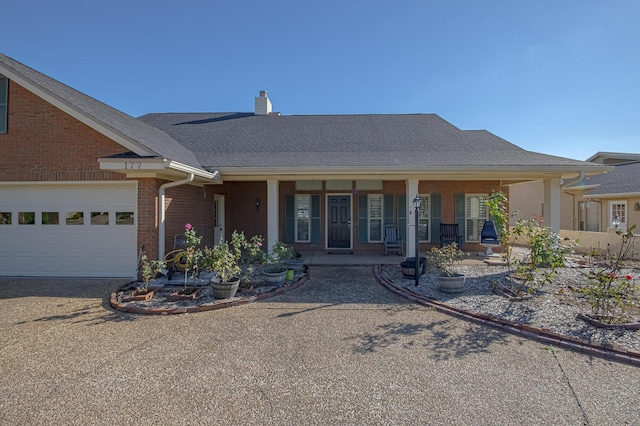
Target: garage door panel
69, 250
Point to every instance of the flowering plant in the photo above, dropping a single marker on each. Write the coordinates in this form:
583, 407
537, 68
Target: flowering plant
611, 292
547, 253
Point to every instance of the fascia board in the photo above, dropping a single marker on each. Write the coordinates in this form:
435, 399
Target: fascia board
440, 173
614, 195
142, 167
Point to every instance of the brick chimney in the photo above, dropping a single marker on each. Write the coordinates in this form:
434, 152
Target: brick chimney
263, 104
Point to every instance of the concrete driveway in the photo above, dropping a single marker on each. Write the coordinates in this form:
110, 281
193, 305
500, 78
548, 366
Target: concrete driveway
339, 350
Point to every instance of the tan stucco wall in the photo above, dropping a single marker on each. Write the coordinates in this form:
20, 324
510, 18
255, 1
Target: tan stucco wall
528, 199
601, 241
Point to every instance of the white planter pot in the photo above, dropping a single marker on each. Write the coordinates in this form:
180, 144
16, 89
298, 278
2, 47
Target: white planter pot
296, 264
454, 284
275, 278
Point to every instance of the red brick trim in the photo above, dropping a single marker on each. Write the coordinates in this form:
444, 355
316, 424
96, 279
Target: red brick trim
548, 337
219, 304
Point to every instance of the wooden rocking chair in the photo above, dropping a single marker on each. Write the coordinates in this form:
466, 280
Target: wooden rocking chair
392, 239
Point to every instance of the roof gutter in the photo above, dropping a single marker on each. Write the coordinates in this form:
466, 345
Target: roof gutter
162, 212
570, 182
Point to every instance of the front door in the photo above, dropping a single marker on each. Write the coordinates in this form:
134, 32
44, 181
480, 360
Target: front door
218, 218
339, 218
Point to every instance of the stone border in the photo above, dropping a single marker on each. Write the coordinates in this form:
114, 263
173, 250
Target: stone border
610, 351
222, 303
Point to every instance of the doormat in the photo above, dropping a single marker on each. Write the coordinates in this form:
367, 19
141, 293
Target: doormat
340, 252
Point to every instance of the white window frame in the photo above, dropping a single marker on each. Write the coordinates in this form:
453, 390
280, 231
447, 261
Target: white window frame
587, 209
612, 210
297, 209
371, 218
479, 218
425, 215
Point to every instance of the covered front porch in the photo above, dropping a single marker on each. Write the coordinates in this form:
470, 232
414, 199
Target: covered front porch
321, 258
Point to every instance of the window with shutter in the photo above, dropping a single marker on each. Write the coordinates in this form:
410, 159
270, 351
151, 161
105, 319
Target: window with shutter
375, 217
424, 217
303, 223
475, 215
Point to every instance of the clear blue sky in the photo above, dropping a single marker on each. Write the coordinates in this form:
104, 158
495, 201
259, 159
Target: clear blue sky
560, 77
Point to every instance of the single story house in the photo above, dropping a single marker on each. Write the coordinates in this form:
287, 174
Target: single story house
83, 186
591, 203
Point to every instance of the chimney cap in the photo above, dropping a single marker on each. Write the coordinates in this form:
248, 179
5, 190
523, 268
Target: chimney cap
264, 93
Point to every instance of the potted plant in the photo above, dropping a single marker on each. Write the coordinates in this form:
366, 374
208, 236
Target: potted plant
294, 262
446, 259
227, 259
275, 273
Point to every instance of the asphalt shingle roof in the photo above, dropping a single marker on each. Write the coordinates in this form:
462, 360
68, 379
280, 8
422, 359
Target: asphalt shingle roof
397, 141
623, 179
128, 127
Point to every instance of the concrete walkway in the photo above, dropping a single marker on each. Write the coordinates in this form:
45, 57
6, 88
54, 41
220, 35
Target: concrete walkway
339, 350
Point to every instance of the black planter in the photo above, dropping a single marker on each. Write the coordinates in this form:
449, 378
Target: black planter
410, 262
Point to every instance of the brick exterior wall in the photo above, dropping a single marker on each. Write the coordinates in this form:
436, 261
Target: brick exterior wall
43, 143
240, 205
242, 215
188, 204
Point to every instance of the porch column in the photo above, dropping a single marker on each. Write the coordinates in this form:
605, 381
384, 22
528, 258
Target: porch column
551, 214
272, 213
412, 191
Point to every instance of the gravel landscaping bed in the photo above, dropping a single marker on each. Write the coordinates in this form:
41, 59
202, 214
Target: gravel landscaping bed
555, 307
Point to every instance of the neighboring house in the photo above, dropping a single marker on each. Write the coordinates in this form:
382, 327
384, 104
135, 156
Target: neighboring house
616, 194
592, 202
84, 186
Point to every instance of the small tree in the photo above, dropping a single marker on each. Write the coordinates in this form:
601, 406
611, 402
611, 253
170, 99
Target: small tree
149, 271
547, 253
499, 213
610, 292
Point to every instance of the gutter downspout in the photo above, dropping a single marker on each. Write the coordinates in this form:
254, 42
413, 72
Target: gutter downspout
161, 210
580, 176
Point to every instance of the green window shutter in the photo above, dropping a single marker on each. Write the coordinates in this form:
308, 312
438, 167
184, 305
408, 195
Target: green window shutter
4, 85
289, 218
459, 200
363, 222
402, 215
388, 209
436, 217
315, 218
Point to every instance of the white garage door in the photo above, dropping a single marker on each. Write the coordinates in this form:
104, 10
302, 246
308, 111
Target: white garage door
68, 230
